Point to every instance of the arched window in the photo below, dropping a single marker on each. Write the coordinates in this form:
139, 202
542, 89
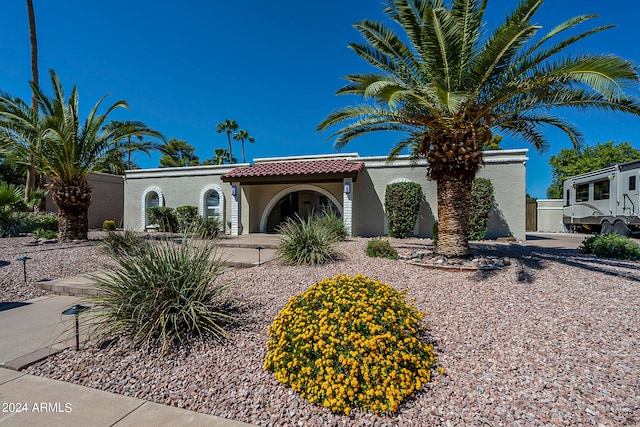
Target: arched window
151, 197
213, 205
153, 200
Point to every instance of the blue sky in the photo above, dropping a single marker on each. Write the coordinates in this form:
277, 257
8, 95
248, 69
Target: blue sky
274, 67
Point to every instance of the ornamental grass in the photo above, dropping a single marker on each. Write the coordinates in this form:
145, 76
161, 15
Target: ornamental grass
351, 342
162, 293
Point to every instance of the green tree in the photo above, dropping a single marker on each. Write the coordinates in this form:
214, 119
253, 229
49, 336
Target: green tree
242, 136
228, 126
454, 81
120, 157
570, 162
67, 149
178, 153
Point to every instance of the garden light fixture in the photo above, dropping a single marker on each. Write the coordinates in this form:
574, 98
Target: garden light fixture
76, 309
259, 248
24, 266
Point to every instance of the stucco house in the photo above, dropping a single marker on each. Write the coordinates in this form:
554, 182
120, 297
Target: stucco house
256, 198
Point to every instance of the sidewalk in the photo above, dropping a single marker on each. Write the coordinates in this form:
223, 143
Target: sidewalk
34, 329
28, 400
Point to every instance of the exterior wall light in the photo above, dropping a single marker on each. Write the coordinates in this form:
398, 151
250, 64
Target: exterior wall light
347, 187
234, 190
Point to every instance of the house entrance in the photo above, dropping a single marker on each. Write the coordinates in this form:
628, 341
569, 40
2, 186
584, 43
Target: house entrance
302, 203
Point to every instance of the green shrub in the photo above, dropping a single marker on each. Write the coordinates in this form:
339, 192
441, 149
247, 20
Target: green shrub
480, 209
402, 204
163, 295
109, 225
306, 242
434, 233
209, 228
332, 222
123, 243
164, 217
611, 246
381, 248
350, 342
47, 221
41, 233
187, 217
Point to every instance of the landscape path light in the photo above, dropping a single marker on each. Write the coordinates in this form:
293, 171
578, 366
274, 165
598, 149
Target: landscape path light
76, 309
24, 266
259, 248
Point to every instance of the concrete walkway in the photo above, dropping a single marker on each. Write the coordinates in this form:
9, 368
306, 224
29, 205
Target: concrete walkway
33, 330
28, 400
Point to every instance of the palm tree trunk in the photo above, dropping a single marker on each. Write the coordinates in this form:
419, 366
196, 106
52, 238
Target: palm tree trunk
454, 198
230, 148
31, 172
243, 160
73, 207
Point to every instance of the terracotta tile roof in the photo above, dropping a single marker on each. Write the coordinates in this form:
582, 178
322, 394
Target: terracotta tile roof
299, 169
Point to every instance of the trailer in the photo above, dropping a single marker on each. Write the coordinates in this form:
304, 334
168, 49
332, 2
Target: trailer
606, 200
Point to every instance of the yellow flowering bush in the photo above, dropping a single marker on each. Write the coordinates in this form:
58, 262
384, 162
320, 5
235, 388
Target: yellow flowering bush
350, 342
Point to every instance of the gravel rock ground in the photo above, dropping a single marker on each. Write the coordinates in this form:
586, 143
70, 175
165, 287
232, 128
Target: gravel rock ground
551, 340
47, 262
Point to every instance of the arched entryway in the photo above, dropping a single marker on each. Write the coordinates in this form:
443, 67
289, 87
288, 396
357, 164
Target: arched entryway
303, 200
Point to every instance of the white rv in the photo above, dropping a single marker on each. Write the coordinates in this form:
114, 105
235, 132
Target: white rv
606, 200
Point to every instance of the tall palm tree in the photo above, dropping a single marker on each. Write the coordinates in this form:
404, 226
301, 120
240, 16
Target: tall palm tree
242, 136
449, 86
67, 149
227, 126
31, 172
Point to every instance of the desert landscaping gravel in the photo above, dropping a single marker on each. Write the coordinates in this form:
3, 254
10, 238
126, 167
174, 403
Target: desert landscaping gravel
550, 340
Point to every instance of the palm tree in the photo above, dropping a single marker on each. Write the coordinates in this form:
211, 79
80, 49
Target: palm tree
67, 149
31, 172
126, 148
227, 126
220, 157
241, 136
448, 87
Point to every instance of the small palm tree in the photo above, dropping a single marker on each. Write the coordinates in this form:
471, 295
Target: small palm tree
221, 156
228, 126
67, 149
126, 148
448, 87
243, 135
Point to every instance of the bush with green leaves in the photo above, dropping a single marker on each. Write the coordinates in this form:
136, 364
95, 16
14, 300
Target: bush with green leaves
402, 205
123, 243
480, 209
330, 220
109, 225
41, 233
46, 221
305, 241
187, 217
164, 217
611, 246
164, 293
209, 228
434, 233
381, 248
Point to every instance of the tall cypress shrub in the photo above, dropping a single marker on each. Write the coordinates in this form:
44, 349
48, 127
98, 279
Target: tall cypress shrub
481, 203
402, 203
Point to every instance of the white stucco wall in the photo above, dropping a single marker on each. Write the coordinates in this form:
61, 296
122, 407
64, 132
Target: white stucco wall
549, 215
183, 186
